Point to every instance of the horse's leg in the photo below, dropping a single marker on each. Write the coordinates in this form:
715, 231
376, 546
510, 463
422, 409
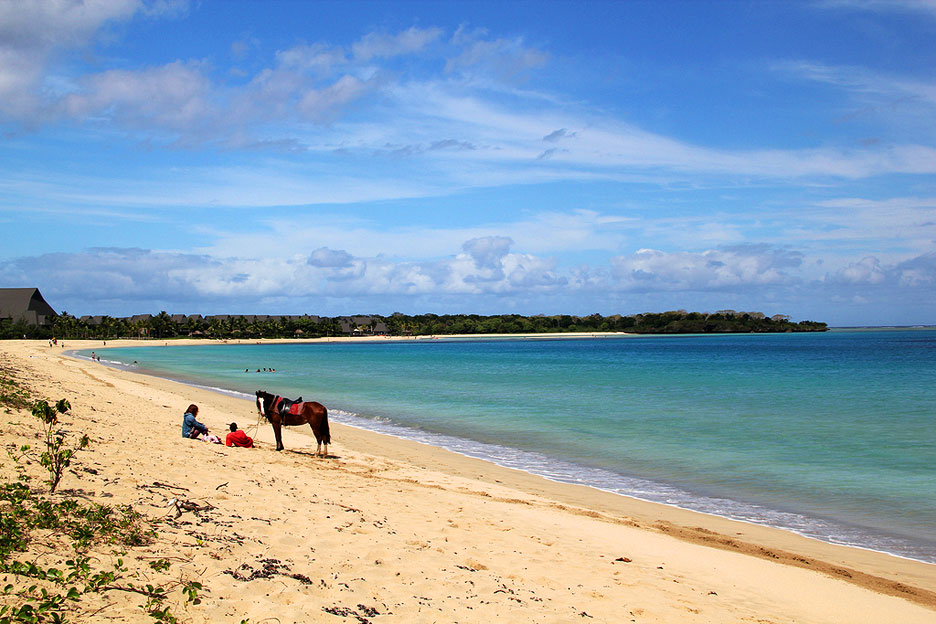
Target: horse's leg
318, 439
278, 434
326, 435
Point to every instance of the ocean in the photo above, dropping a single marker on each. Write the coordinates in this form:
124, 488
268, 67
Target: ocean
831, 435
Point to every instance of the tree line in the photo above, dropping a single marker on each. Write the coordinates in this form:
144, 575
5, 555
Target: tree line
164, 326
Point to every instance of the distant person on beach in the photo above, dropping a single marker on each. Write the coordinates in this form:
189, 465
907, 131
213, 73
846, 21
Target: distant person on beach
191, 428
238, 438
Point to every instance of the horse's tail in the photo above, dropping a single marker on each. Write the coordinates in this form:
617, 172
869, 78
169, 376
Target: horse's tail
326, 434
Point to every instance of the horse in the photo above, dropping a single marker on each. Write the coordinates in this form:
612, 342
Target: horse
280, 411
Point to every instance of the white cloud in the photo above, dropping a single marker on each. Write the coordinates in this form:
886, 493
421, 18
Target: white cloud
325, 257
176, 96
328, 103
383, 45
544, 233
316, 58
507, 59
488, 252
907, 221
742, 266
866, 271
32, 32
40, 26
914, 273
756, 277
918, 273
462, 132
889, 90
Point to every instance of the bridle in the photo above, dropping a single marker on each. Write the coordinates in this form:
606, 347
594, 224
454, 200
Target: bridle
276, 401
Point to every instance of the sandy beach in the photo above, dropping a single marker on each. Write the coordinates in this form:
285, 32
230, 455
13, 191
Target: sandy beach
386, 529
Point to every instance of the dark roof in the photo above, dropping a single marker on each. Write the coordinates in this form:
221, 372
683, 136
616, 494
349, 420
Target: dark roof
26, 304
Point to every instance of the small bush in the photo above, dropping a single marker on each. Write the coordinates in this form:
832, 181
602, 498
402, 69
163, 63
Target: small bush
57, 457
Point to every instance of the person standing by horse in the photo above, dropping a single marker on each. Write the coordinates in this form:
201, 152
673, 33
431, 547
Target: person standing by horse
191, 428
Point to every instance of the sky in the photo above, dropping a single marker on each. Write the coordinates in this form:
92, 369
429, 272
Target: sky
551, 157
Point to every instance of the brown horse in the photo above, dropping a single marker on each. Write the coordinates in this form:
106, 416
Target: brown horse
280, 411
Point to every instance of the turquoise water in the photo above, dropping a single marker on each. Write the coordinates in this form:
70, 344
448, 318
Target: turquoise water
831, 435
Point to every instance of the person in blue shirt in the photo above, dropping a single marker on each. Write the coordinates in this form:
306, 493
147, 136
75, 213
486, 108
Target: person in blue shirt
191, 428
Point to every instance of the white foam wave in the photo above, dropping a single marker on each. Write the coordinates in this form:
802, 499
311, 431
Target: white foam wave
648, 490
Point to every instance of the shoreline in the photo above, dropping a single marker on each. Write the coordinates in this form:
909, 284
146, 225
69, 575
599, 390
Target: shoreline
823, 529
779, 552
440, 443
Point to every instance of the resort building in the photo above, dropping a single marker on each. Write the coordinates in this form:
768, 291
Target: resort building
27, 305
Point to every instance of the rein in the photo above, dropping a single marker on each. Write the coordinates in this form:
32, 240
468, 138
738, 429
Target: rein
263, 414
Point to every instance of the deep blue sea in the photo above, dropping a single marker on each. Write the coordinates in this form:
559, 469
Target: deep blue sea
831, 435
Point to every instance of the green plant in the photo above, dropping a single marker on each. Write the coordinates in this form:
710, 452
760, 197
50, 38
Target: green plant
47, 594
12, 395
153, 605
57, 456
39, 594
190, 590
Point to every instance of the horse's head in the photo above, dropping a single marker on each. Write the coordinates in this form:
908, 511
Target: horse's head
264, 403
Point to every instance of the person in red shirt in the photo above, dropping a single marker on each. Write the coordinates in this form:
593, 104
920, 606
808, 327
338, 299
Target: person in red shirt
238, 438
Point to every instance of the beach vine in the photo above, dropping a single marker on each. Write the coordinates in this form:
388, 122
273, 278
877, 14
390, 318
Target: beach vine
58, 552
13, 394
32, 524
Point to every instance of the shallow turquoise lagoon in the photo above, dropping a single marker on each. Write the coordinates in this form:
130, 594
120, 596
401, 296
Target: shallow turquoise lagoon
830, 435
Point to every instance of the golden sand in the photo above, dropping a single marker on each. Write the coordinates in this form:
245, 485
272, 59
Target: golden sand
389, 530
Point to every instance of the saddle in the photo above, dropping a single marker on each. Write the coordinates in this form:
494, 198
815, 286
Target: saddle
288, 406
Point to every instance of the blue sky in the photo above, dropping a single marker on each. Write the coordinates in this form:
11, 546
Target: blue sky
482, 157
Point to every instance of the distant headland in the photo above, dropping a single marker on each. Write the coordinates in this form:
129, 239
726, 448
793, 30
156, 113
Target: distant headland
254, 326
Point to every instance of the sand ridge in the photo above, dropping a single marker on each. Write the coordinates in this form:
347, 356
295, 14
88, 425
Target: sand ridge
391, 530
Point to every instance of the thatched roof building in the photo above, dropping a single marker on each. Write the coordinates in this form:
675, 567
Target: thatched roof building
25, 304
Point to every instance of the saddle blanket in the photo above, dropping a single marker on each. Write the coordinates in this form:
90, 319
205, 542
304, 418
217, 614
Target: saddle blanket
290, 407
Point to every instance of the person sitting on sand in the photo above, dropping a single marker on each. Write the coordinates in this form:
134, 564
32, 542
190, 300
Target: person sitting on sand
191, 428
238, 438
